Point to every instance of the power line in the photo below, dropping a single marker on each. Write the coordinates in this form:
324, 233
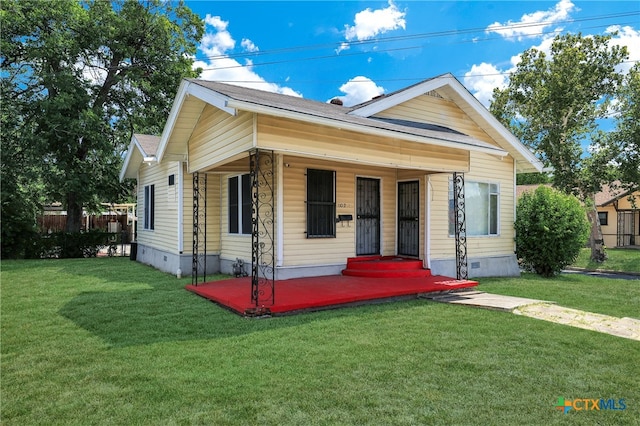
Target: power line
436, 34
381, 80
335, 56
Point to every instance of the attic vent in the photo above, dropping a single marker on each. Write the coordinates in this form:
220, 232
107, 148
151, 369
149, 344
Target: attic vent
434, 94
336, 101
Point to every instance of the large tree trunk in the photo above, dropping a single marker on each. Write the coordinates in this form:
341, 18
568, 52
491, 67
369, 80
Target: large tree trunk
598, 253
74, 214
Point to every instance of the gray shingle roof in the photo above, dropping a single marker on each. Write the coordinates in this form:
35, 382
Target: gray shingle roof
149, 143
336, 113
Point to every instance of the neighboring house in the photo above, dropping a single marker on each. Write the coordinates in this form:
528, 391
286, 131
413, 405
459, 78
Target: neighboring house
324, 182
619, 214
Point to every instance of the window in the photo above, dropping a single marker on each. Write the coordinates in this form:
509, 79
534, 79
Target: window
321, 203
149, 206
481, 208
603, 217
240, 204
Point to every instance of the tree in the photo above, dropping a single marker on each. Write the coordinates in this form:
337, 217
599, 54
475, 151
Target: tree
550, 230
624, 142
553, 103
83, 77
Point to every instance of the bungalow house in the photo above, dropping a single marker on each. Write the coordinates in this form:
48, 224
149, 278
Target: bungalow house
619, 214
297, 187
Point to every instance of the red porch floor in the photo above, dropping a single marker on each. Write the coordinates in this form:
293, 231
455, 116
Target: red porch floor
314, 293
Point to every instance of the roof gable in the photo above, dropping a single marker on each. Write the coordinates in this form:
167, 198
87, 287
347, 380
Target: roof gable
449, 87
612, 192
142, 148
193, 95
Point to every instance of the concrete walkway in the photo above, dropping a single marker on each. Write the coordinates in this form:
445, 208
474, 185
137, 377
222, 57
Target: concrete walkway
628, 328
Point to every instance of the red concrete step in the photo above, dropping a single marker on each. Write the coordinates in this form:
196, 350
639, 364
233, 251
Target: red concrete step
398, 273
385, 267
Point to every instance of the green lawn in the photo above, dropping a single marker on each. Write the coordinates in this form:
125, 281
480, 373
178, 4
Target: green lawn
100, 341
622, 260
615, 297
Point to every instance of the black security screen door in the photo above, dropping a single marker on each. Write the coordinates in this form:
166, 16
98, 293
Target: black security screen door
409, 218
368, 216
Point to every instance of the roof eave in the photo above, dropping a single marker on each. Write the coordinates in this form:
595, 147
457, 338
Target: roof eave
436, 83
189, 88
310, 118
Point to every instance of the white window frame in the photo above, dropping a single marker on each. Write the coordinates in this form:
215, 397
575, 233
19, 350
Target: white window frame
149, 207
493, 191
240, 217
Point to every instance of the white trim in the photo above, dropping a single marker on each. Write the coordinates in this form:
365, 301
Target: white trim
280, 212
211, 97
371, 163
515, 202
186, 89
387, 102
180, 207
427, 225
127, 159
449, 80
343, 125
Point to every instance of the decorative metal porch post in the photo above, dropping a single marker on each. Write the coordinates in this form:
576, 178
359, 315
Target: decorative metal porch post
460, 223
199, 253
262, 166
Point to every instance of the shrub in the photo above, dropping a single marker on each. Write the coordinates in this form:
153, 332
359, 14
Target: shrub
70, 244
551, 228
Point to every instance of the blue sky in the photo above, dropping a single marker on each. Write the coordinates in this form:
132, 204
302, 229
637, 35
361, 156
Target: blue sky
358, 49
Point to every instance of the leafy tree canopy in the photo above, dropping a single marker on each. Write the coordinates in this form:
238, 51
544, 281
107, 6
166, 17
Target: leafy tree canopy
81, 77
553, 104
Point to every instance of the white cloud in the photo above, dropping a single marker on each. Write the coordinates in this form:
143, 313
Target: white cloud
627, 36
533, 24
370, 23
359, 89
216, 44
482, 79
248, 45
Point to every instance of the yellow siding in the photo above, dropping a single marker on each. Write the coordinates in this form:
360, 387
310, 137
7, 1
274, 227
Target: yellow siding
213, 214
610, 231
484, 168
236, 245
438, 111
165, 234
300, 250
325, 142
218, 137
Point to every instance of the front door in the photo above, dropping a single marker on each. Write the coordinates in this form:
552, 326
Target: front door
367, 216
409, 218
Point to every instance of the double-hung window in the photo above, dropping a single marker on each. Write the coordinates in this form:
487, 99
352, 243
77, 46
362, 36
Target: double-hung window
482, 208
321, 203
240, 204
603, 217
149, 206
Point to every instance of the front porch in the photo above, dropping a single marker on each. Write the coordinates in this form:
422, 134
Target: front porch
327, 292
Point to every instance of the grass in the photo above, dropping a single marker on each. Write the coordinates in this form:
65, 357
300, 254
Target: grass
615, 297
621, 260
97, 341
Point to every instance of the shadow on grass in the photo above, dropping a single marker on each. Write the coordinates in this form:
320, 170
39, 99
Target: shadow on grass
147, 316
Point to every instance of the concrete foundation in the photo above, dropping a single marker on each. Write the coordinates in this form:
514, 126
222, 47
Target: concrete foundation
490, 266
170, 262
